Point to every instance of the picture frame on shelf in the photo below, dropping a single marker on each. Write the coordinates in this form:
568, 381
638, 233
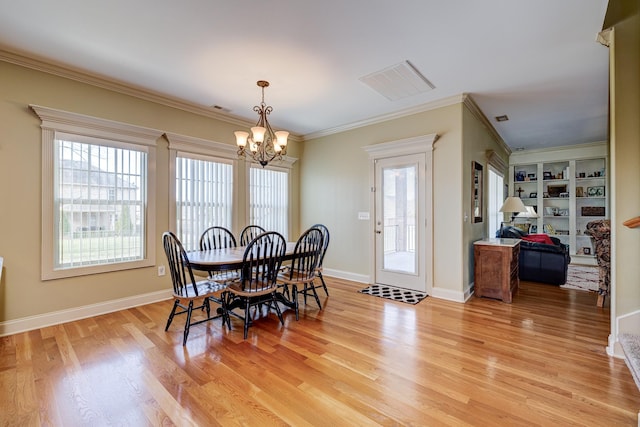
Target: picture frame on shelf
547, 175
579, 192
596, 191
532, 176
522, 226
555, 190
586, 251
533, 195
563, 212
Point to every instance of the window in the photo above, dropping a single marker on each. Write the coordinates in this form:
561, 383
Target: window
97, 187
496, 197
269, 199
204, 196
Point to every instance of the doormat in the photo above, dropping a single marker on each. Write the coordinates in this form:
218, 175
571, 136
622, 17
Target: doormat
397, 294
582, 278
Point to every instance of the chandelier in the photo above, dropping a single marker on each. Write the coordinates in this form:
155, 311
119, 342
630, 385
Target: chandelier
263, 145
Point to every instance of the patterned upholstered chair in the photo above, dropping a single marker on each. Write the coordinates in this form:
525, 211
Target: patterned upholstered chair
600, 232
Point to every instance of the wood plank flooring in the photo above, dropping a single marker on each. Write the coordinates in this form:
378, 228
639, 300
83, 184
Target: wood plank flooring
362, 360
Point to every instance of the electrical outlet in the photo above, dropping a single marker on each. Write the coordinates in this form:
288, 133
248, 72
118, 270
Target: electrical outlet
161, 271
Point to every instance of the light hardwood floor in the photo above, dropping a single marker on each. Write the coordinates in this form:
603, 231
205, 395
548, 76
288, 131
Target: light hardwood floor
361, 361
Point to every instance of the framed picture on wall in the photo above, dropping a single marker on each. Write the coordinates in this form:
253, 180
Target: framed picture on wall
477, 183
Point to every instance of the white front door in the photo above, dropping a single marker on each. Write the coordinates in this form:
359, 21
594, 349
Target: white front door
400, 221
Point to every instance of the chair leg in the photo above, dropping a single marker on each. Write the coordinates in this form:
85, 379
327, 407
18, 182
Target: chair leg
173, 312
295, 301
247, 318
188, 323
324, 285
277, 307
315, 294
207, 306
225, 298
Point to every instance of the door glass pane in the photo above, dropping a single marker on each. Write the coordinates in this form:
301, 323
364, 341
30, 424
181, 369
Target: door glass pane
399, 218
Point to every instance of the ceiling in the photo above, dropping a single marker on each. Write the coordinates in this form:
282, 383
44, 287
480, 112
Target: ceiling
537, 61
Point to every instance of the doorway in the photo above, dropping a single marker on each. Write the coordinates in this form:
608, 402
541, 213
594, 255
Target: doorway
399, 220
401, 242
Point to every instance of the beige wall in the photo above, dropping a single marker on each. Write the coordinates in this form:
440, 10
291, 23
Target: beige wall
476, 142
625, 159
22, 293
335, 187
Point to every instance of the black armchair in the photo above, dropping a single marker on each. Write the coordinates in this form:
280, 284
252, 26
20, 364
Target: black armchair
539, 262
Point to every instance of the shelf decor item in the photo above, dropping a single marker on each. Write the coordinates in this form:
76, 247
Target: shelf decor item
597, 191
555, 190
592, 211
579, 192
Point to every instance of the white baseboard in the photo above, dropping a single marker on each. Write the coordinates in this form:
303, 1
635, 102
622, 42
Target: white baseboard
57, 317
449, 295
345, 275
626, 324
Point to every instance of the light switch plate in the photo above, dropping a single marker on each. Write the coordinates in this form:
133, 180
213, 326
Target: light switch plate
363, 215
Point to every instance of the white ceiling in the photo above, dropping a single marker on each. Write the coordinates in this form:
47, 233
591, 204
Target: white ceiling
536, 61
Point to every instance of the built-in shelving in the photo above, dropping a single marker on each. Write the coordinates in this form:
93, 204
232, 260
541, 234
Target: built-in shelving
568, 188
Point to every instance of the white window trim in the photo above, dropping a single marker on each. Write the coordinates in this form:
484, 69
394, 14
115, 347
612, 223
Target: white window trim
58, 121
209, 150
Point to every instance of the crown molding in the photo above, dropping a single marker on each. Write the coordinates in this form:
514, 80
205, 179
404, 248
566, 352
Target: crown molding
444, 102
56, 69
604, 37
126, 89
469, 102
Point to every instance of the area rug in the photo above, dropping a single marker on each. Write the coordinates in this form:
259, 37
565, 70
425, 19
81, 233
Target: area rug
582, 277
396, 294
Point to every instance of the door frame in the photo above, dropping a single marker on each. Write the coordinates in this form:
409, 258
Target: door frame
416, 145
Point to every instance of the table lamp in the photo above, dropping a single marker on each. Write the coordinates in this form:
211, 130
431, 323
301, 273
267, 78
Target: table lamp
513, 205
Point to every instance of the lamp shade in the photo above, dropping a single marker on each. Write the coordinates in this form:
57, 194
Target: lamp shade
530, 213
513, 204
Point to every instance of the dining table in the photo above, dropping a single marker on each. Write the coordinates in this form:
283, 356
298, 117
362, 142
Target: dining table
230, 259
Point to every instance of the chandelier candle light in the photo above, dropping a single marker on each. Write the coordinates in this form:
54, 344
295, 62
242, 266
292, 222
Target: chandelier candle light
264, 145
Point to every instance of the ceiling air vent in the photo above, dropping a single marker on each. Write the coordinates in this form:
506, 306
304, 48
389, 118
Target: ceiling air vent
398, 81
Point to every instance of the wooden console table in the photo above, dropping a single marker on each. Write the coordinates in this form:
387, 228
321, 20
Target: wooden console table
496, 268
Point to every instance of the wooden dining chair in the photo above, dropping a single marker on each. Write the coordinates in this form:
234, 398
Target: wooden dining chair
249, 233
257, 284
325, 245
185, 288
217, 237
302, 270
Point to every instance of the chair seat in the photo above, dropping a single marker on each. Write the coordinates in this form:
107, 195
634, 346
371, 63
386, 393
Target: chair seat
205, 288
258, 288
224, 276
294, 278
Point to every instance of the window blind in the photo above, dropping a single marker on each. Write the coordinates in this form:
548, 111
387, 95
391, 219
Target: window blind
204, 197
269, 199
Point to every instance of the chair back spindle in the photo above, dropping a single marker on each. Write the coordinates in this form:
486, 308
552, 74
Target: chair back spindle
217, 238
249, 233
